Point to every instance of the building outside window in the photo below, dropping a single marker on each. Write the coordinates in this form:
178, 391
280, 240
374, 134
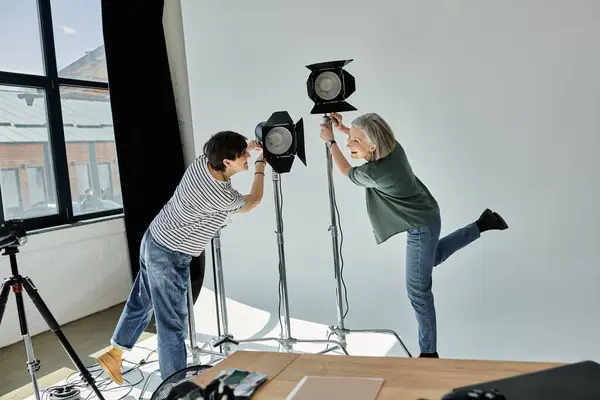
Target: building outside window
36, 183
57, 146
11, 195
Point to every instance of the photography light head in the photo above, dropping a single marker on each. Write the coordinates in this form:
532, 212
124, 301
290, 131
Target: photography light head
329, 85
281, 141
12, 234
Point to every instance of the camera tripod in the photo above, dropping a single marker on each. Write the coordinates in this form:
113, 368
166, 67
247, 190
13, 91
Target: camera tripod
340, 330
286, 340
17, 283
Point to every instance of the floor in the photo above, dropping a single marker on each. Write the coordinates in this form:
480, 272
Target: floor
88, 336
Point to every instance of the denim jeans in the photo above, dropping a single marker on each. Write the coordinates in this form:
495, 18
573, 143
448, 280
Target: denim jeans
425, 250
160, 286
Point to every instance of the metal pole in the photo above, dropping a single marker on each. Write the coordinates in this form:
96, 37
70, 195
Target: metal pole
192, 322
286, 324
196, 351
220, 289
33, 365
334, 237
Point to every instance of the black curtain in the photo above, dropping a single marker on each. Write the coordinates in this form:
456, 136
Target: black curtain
146, 127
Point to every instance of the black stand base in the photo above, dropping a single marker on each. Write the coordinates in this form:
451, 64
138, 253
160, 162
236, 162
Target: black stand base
225, 339
17, 283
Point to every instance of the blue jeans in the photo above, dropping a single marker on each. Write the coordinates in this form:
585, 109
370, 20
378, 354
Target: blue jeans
160, 286
425, 250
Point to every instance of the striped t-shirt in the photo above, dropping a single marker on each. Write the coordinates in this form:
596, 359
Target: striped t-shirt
199, 207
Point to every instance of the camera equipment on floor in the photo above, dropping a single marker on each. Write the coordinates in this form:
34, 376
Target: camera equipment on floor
13, 235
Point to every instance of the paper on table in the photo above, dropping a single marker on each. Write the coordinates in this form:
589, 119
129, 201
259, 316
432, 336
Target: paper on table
330, 388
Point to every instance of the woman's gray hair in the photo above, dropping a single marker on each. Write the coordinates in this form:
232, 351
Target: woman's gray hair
378, 132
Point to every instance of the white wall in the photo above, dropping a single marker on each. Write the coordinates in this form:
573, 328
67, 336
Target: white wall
497, 105
175, 41
77, 271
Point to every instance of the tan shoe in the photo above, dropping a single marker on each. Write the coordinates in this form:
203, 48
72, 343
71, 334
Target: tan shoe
111, 364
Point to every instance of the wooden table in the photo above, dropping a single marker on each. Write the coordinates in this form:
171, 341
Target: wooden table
405, 378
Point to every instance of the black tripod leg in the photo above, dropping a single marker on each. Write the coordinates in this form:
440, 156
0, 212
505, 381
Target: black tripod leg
4, 290
53, 324
33, 365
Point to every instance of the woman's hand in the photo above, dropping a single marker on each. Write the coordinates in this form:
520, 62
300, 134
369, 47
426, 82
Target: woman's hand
252, 145
326, 133
337, 123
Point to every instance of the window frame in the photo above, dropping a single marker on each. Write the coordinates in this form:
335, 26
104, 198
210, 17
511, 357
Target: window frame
51, 83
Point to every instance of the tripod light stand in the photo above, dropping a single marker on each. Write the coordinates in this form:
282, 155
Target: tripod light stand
225, 339
12, 235
281, 140
196, 351
329, 85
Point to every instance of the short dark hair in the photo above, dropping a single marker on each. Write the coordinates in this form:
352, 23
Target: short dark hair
224, 145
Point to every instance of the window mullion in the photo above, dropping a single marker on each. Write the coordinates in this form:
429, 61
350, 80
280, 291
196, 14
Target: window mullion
13, 78
55, 121
1, 204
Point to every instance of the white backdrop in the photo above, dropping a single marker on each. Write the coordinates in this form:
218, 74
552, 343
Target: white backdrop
497, 104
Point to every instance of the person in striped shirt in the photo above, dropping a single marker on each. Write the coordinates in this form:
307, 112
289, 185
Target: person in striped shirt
200, 205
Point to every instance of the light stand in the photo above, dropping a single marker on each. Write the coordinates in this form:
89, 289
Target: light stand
329, 87
12, 236
196, 351
225, 339
340, 330
286, 340
282, 141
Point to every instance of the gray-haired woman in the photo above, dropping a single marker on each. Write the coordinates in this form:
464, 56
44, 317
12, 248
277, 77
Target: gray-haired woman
397, 201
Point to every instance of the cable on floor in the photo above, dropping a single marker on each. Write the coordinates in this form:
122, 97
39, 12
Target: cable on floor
103, 384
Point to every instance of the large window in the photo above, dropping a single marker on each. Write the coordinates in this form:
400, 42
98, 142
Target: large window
58, 158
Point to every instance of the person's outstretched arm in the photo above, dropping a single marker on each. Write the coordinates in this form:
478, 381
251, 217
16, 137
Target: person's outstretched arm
254, 198
337, 123
339, 159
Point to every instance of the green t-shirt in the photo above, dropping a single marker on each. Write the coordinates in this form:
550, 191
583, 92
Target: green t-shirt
396, 199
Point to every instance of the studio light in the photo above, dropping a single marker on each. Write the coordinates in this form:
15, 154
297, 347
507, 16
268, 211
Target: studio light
329, 85
281, 141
